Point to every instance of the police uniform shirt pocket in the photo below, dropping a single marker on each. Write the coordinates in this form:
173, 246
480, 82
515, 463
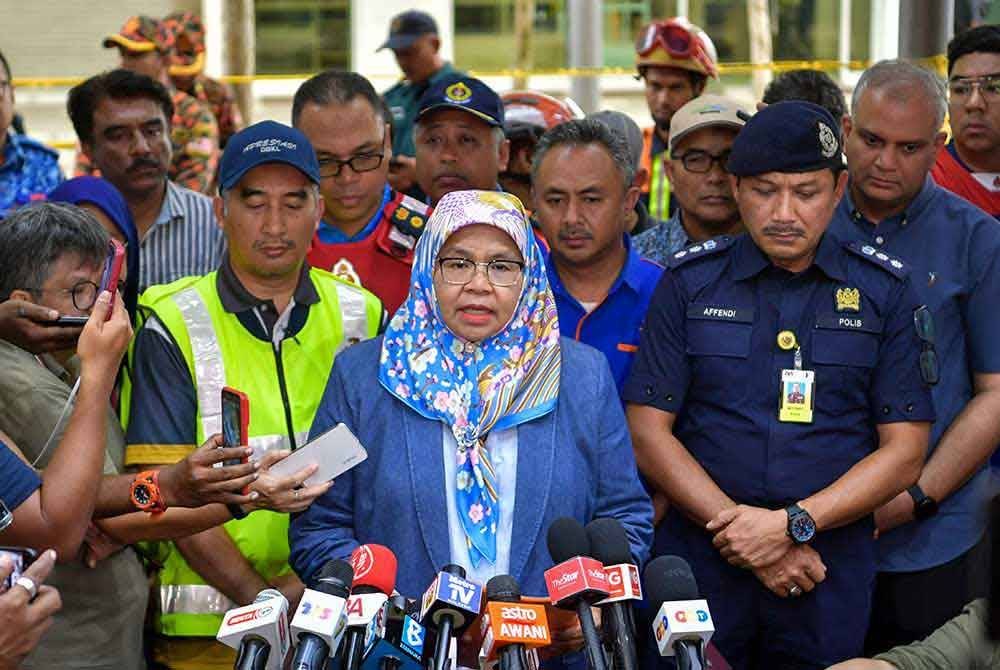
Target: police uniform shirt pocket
719, 330
846, 340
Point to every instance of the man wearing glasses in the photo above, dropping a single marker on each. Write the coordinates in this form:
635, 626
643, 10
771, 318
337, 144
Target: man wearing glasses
931, 536
28, 168
969, 165
701, 137
368, 230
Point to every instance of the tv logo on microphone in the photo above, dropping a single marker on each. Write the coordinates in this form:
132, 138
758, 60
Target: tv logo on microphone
243, 617
362, 560
576, 576
686, 616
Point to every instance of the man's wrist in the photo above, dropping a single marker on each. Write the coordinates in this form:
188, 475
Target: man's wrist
167, 480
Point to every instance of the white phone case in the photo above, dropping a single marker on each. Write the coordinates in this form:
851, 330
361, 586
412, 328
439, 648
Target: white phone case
336, 451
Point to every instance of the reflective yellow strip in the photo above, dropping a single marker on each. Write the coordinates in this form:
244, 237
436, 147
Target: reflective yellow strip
938, 62
352, 315
156, 454
659, 188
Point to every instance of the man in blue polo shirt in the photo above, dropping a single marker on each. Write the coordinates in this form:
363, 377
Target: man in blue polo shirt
582, 180
931, 546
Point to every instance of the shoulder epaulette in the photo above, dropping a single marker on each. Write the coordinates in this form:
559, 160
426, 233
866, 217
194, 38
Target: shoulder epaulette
890, 264
408, 216
702, 250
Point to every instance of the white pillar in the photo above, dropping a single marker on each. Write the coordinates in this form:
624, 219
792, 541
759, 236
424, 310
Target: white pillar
370, 26
844, 39
884, 34
211, 16
586, 50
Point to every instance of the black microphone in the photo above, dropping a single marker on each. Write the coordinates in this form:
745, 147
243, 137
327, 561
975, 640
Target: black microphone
683, 625
449, 605
321, 617
610, 546
576, 581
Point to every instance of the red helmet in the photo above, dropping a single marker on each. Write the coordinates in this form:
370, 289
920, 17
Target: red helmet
529, 113
676, 43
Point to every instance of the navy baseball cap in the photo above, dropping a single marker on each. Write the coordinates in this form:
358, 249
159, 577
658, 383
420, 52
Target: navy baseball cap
465, 93
789, 136
405, 28
266, 142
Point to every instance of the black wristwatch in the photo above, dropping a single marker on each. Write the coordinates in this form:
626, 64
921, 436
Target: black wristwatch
801, 527
924, 507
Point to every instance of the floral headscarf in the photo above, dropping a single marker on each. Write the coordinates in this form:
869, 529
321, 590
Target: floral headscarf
500, 382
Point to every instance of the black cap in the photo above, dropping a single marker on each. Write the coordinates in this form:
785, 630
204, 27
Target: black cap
503, 588
405, 28
335, 578
567, 539
465, 93
668, 579
608, 541
788, 136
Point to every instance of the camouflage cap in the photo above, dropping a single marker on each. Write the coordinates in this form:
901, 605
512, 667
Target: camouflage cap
141, 33
188, 34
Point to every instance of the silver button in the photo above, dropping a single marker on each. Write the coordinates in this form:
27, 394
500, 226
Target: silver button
879, 240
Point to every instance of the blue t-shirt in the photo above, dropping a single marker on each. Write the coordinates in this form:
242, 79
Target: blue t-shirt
29, 170
17, 479
613, 326
953, 251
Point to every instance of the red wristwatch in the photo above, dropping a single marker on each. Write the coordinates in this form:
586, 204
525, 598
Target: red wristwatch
146, 492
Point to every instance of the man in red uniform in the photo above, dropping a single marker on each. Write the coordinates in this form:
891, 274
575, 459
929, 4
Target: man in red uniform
368, 231
969, 165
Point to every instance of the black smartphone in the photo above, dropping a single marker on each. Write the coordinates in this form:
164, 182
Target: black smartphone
21, 557
69, 321
235, 420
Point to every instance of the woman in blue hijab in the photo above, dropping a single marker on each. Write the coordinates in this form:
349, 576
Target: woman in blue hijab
103, 200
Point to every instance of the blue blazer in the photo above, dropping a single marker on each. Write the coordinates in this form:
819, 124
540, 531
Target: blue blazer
576, 461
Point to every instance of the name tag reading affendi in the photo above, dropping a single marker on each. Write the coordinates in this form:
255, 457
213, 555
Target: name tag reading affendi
796, 396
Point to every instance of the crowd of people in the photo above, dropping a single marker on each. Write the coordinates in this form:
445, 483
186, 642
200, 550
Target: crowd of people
766, 341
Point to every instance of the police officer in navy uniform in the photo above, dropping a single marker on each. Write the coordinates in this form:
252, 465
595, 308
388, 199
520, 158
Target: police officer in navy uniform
771, 501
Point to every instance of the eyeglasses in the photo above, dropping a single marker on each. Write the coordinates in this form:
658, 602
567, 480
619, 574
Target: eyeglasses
331, 167
84, 293
675, 40
701, 162
923, 323
460, 271
989, 87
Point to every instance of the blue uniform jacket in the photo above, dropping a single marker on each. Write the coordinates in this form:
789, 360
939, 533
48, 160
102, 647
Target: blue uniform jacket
575, 461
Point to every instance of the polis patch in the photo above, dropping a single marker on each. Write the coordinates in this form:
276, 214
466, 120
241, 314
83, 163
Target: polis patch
858, 322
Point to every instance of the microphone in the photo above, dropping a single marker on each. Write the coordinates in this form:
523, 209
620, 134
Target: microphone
683, 625
511, 629
321, 617
257, 629
449, 605
610, 546
396, 641
374, 578
577, 581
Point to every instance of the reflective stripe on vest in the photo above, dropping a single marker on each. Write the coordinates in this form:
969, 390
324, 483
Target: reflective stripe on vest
354, 326
193, 599
209, 373
657, 187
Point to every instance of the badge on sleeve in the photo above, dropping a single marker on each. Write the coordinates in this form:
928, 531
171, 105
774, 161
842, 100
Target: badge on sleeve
796, 402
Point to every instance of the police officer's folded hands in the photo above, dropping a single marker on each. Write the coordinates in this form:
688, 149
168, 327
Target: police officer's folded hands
801, 567
751, 537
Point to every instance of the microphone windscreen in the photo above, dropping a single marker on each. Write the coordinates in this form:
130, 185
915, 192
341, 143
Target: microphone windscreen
669, 578
453, 569
503, 588
375, 568
335, 578
566, 539
608, 541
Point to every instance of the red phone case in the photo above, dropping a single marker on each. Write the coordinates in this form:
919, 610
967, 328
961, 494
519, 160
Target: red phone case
112, 271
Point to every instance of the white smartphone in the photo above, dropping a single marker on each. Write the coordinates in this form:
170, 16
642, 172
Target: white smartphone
336, 451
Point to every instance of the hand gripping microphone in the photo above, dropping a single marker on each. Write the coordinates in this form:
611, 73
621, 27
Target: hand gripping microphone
321, 617
610, 546
396, 642
259, 632
511, 629
374, 579
449, 605
683, 625
577, 581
